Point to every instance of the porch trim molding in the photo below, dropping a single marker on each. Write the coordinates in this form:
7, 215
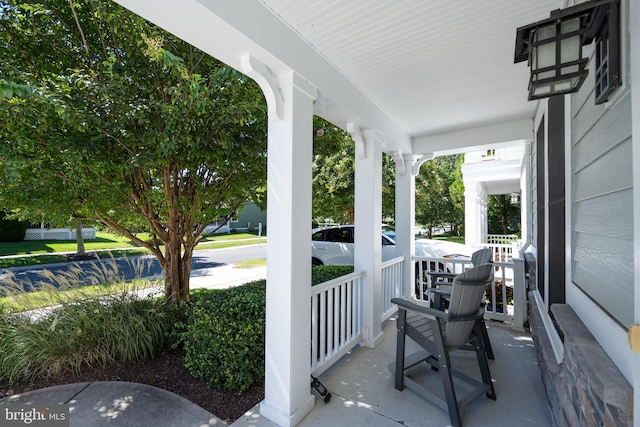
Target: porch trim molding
514, 130
549, 328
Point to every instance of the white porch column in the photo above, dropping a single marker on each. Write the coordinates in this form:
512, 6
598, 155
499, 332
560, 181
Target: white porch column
287, 393
475, 213
368, 222
405, 218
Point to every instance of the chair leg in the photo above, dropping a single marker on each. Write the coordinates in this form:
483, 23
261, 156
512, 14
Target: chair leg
484, 335
447, 381
400, 348
481, 355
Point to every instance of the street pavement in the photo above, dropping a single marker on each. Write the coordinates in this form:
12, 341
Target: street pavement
203, 264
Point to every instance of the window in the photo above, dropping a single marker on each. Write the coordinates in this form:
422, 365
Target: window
607, 70
339, 235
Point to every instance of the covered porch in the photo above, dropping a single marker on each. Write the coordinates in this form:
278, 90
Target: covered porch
415, 80
363, 392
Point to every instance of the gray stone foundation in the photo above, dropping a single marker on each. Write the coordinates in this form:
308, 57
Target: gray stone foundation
586, 389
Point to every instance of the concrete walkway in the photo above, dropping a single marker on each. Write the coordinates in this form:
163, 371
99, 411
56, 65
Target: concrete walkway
114, 403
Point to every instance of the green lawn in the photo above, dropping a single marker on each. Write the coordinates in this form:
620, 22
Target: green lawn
103, 241
47, 251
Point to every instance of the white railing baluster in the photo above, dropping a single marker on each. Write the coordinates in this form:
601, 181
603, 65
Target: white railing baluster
314, 331
323, 326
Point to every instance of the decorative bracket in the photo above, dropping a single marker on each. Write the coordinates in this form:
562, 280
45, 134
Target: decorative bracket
418, 163
360, 140
267, 82
401, 168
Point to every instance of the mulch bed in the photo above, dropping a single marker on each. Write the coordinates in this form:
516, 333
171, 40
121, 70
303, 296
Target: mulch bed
167, 372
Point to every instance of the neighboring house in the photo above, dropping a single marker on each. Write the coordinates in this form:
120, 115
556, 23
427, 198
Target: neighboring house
250, 217
497, 170
398, 80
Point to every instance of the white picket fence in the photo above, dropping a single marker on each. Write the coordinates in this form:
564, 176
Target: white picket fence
58, 233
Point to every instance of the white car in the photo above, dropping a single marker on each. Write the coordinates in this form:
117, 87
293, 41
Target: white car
334, 246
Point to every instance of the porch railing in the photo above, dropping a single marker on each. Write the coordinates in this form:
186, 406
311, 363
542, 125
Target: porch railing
502, 252
505, 295
392, 273
336, 313
502, 238
336, 320
337, 305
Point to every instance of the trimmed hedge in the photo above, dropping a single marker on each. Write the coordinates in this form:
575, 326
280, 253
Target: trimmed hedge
223, 336
324, 273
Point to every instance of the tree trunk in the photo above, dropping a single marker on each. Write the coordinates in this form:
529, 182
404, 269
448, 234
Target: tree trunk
79, 236
177, 269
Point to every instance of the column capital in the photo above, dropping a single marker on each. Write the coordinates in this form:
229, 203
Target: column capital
365, 138
272, 85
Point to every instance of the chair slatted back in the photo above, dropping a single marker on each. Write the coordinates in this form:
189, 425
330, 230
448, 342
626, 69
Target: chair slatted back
466, 297
481, 256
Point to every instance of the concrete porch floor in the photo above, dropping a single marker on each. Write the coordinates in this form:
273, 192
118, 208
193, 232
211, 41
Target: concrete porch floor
363, 392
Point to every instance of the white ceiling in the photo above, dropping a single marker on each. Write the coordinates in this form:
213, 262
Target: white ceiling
430, 76
433, 66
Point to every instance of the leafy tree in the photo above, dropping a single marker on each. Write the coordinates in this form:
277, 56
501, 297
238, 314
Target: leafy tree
437, 193
334, 175
503, 217
105, 116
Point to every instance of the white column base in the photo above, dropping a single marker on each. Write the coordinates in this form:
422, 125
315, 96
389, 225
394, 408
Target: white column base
373, 342
287, 420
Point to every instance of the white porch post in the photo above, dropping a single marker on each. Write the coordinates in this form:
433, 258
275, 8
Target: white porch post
368, 222
287, 392
405, 218
475, 213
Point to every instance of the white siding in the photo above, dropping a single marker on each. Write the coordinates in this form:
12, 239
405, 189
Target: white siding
602, 212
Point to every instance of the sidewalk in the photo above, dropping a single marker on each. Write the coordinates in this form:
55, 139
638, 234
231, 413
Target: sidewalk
225, 276
112, 403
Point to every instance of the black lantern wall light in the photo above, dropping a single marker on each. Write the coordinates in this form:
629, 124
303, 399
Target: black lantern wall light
553, 48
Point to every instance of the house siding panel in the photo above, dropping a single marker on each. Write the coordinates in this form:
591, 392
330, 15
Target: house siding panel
602, 213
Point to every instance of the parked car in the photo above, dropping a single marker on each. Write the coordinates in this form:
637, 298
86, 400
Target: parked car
334, 246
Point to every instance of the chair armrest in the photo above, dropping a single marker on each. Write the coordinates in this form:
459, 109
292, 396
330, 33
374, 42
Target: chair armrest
427, 311
443, 274
442, 292
434, 313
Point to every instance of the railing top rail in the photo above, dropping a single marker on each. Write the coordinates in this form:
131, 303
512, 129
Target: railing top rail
337, 281
392, 261
448, 260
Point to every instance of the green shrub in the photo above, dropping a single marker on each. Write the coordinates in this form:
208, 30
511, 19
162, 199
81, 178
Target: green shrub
96, 331
12, 230
324, 273
223, 337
